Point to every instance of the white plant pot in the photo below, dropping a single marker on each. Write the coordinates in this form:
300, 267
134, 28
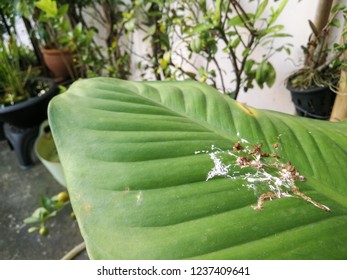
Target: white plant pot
46, 151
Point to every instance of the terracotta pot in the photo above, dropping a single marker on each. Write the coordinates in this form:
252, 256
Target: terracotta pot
60, 62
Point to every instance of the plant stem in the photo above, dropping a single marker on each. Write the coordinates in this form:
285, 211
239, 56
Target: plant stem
220, 73
74, 252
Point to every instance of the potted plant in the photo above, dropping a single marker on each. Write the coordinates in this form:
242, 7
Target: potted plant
313, 87
23, 95
219, 36
53, 29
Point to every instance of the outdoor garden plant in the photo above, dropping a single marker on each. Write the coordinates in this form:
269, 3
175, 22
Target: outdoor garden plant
323, 62
13, 78
176, 170
49, 207
315, 84
174, 35
190, 39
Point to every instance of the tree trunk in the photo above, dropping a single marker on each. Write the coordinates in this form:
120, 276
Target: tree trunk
339, 112
320, 21
323, 13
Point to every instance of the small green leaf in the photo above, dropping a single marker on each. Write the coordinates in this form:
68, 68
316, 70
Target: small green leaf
63, 10
261, 9
191, 75
248, 66
32, 229
65, 26
201, 28
167, 56
31, 220
338, 7
261, 73
271, 75
196, 45
281, 35
217, 13
46, 203
130, 25
274, 16
37, 216
236, 42
151, 29
246, 52
335, 22
114, 44
235, 21
48, 6
25, 9
77, 31
271, 30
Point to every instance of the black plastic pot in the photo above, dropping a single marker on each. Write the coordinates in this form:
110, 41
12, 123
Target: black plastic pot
31, 112
20, 123
316, 103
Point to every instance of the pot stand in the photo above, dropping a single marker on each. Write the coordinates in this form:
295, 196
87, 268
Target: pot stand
22, 140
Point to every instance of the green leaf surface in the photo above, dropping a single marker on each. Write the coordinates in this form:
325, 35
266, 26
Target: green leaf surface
152, 174
261, 8
200, 28
336, 23
48, 6
236, 21
276, 13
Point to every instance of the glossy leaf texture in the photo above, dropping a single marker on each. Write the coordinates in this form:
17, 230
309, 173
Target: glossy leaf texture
138, 159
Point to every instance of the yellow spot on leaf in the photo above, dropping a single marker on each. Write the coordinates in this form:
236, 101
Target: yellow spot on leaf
246, 109
87, 207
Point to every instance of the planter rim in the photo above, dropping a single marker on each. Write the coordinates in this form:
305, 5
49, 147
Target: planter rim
309, 90
55, 51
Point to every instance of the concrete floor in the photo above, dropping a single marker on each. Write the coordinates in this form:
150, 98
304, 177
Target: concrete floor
20, 191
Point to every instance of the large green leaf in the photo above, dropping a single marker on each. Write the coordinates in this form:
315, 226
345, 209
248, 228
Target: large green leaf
152, 174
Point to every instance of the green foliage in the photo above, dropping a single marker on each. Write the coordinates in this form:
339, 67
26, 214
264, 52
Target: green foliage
53, 23
171, 170
177, 32
12, 77
49, 7
208, 29
49, 207
62, 24
7, 19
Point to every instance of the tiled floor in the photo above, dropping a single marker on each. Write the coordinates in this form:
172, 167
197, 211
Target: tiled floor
20, 191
